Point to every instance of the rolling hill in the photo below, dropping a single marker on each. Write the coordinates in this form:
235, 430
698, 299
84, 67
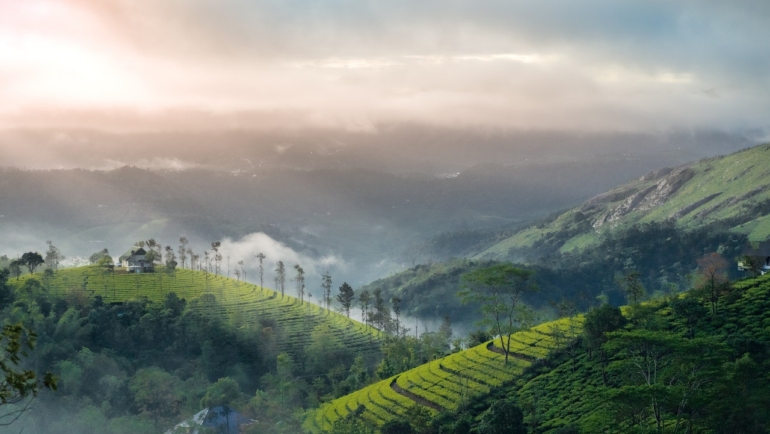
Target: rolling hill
731, 192
241, 304
448, 383
574, 391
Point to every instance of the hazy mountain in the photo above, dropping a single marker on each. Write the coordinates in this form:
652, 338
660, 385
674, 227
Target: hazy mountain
732, 192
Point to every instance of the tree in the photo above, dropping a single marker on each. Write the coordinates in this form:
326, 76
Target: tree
363, 299
299, 279
712, 278
396, 427
664, 377
152, 257
15, 268
7, 295
690, 309
351, 424
182, 252
215, 246
345, 298
503, 417
31, 260
498, 290
597, 324
380, 315
53, 256
154, 246
631, 284
193, 257
419, 418
326, 284
96, 257
18, 384
280, 277
261, 257
396, 303
224, 393
155, 393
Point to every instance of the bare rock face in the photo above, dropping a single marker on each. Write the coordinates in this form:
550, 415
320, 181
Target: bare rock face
647, 198
600, 201
655, 174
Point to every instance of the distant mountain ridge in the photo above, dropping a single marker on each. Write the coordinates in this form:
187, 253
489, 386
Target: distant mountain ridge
730, 191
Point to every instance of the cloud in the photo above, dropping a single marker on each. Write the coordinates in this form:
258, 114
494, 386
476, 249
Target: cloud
590, 64
156, 163
248, 247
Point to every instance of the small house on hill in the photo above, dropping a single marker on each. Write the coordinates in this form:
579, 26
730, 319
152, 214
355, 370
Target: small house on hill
756, 259
134, 260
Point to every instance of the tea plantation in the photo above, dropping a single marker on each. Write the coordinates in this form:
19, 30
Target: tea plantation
242, 304
448, 383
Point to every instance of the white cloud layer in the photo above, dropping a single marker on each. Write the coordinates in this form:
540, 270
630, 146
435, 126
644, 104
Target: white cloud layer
247, 248
589, 64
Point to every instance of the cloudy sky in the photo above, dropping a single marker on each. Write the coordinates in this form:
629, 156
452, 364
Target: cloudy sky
575, 65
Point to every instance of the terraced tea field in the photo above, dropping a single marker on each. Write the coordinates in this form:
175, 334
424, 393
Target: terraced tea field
447, 383
243, 304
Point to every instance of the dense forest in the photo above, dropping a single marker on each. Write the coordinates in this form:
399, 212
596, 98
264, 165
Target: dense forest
131, 356
663, 254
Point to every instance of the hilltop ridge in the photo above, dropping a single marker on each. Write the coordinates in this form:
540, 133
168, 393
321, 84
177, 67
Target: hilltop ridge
732, 192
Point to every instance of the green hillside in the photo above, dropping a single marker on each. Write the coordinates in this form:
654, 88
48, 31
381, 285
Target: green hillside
450, 382
241, 304
731, 191
711, 371
707, 373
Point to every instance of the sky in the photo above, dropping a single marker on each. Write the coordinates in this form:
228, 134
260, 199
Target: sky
597, 65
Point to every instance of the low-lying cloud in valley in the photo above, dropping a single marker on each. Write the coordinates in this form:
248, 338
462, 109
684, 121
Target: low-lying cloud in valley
248, 247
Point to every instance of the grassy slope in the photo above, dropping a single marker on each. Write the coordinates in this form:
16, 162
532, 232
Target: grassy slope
723, 185
563, 391
568, 393
438, 382
241, 304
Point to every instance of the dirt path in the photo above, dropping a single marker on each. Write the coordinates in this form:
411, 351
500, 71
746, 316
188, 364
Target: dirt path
416, 398
491, 347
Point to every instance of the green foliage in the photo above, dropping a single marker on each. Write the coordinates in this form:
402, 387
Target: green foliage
98, 256
152, 348
396, 427
224, 393
18, 384
156, 394
503, 417
600, 321
450, 382
31, 260
351, 425
680, 369
345, 298
429, 289
725, 193
498, 291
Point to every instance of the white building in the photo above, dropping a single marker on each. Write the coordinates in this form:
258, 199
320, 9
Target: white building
134, 260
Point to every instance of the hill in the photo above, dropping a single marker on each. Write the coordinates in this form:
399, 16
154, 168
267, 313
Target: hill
710, 370
448, 383
241, 304
707, 373
730, 192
